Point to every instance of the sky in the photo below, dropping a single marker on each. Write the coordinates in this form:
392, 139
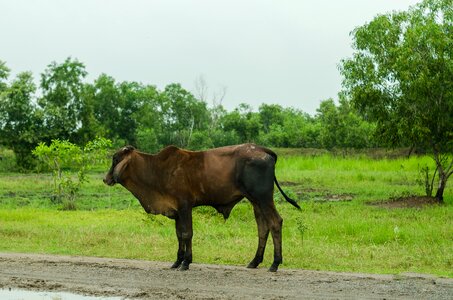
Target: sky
283, 52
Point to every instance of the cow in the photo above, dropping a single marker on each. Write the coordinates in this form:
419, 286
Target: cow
174, 181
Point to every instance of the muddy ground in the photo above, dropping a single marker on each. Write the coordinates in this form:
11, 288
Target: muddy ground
154, 280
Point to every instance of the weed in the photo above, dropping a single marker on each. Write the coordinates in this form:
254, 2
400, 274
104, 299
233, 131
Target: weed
302, 227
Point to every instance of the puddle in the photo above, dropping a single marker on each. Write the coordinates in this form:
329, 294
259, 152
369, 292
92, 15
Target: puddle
15, 294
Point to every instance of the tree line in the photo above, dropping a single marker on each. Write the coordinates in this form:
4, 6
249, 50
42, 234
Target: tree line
66, 107
397, 90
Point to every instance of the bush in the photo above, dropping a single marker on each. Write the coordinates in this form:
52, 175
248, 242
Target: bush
63, 156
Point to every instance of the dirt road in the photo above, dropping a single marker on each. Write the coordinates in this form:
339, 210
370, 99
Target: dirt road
154, 280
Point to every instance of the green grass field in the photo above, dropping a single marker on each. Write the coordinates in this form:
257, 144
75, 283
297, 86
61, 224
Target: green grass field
337, 230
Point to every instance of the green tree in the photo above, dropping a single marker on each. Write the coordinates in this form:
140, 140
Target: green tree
401, 76
149, 120
105, 97
330, 124
147, 140
130, 103
4, 74
183, 114
20, 121
62, 87
354, 131
122, 111
342, 127
302, 129
243, 122
287, 127
90, 127
270, 115
148, 115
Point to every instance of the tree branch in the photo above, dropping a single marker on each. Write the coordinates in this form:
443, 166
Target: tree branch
450, 169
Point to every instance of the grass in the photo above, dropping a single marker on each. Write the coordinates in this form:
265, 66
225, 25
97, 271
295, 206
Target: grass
327, 235
364, 178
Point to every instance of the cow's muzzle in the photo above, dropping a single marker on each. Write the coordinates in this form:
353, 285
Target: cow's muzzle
109, 180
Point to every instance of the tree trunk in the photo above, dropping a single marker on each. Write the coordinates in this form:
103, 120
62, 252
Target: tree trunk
440, 190
444, 169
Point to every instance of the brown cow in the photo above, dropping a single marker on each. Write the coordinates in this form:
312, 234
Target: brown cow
174, 181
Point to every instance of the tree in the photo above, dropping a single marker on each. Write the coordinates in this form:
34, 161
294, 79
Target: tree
330, 124
90, 126
20, 122
270, 114
122, 111
183, 115
342, 127
149, 120
130, 104
244, 122
62, 86
4, 74
105, 98
216, 110
286, 127
301, 129
401, 76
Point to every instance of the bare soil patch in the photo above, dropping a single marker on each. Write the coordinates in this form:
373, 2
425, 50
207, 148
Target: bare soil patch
407, 202
137, 279
316, 194
335, 197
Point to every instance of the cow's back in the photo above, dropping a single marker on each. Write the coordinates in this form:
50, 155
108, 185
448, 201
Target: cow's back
223, 168
210, 177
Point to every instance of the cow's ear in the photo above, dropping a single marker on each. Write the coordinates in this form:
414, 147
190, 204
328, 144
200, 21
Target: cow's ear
127, 149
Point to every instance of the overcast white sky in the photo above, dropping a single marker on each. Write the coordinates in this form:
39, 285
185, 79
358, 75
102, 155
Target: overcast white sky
262, 51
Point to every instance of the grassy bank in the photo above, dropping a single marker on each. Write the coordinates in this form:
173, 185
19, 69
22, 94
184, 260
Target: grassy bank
336, 230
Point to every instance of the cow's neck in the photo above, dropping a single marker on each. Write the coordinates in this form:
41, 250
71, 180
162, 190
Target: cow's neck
142, 184
141, 173
144, 170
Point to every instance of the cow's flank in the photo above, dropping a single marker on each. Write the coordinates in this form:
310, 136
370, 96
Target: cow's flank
174, 181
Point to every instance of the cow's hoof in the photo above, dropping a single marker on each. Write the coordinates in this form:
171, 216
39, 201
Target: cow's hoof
273, 268
176, 264
254, 263
184, 267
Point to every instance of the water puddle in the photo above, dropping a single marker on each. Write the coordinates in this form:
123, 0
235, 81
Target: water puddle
15, 294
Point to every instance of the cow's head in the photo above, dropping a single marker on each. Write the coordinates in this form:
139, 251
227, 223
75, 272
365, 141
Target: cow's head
120, 162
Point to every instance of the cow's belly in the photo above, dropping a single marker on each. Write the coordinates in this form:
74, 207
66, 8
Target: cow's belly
218, 194
161, 206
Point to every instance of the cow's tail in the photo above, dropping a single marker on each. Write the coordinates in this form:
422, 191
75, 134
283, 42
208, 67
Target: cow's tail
284, 195
274, 155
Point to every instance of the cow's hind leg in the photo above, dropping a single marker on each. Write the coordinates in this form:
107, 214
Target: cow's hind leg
263, 233
258, 182
271, 221
274, 222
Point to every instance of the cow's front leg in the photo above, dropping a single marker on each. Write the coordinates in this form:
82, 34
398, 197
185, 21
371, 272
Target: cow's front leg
181, 245
184, 226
